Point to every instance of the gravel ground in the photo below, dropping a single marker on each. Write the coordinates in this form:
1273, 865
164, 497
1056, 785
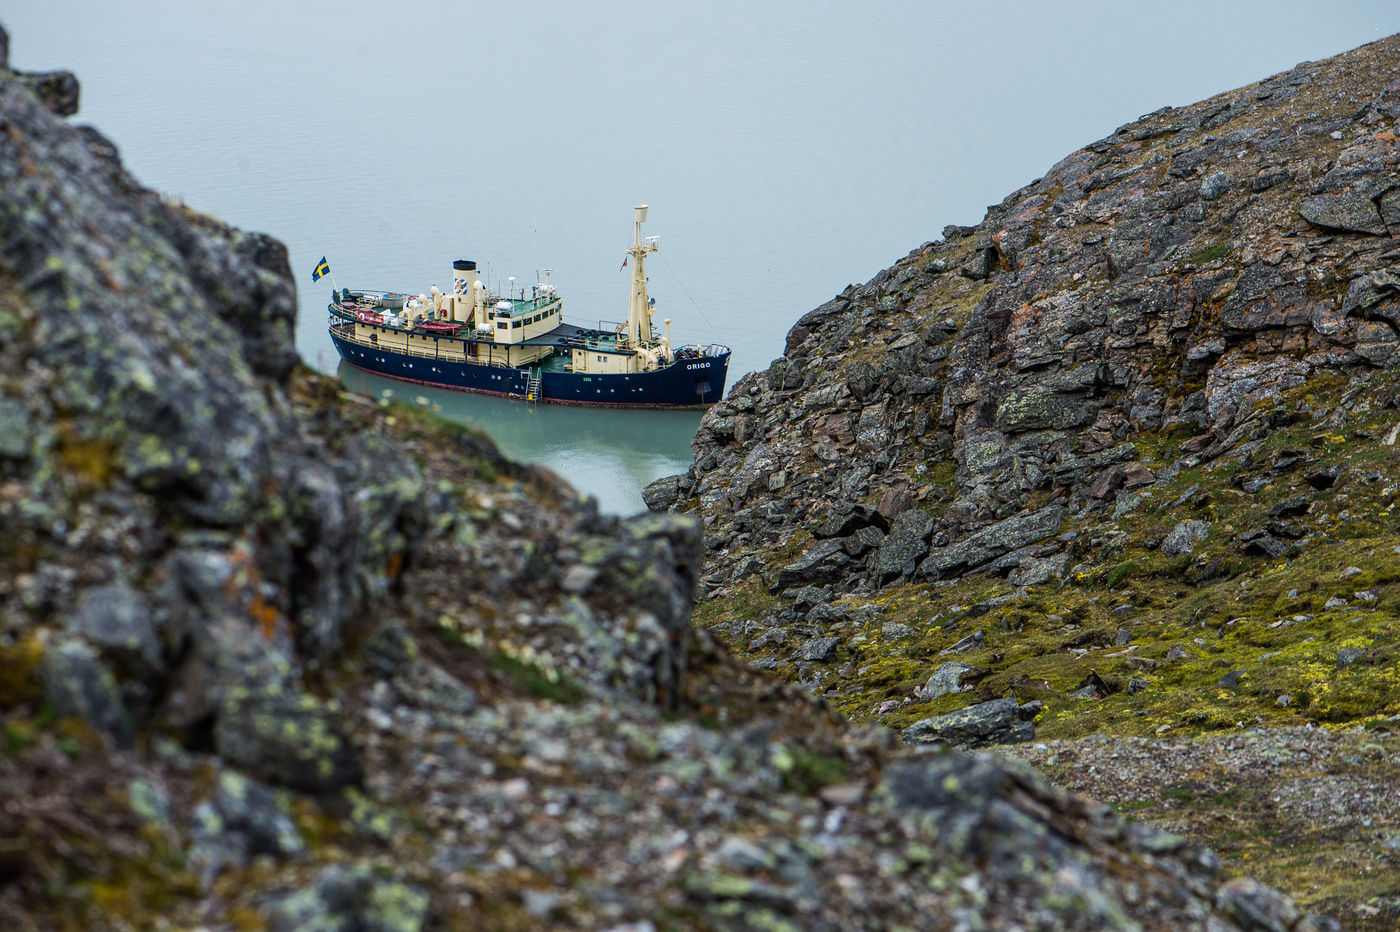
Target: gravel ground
1310, 811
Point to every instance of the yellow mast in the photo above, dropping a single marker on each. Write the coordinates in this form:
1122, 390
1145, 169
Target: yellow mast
639, 331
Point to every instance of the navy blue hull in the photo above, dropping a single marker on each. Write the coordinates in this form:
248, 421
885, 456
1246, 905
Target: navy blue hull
686, 383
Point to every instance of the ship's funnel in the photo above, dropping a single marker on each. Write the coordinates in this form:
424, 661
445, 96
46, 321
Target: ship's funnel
463, 290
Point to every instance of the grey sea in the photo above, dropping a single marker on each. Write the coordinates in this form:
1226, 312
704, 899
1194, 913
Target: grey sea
786, 149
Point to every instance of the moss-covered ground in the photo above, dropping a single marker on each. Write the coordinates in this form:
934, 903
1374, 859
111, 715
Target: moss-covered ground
1215, 639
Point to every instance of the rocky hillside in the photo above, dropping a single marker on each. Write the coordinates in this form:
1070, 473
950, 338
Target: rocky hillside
275, 656
1119, 459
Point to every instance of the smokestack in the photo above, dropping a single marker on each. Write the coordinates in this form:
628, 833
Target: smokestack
464, 290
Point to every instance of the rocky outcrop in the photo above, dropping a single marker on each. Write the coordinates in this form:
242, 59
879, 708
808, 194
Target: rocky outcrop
1170, 277
279, 656
1136, 422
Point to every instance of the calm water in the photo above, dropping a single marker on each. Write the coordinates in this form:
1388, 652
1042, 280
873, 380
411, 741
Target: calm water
786, 148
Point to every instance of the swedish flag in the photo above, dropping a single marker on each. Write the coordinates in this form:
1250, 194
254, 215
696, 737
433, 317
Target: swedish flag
322, 268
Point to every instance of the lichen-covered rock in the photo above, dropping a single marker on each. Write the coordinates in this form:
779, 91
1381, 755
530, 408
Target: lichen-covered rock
998, 721
351, 898
77, 684
1183, 538
906, 544
946, 679
993, 541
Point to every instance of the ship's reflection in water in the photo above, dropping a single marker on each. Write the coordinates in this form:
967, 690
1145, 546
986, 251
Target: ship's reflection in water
610, 454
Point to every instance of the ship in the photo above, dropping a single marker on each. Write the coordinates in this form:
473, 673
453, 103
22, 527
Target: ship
518, 345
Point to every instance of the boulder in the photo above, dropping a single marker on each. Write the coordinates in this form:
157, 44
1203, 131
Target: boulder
904, 547
286, 737
849, 518
821, 561
999, 721
1183, 538
663, 493
77, 684
1350, 209
355, 897
946, 679
992, 542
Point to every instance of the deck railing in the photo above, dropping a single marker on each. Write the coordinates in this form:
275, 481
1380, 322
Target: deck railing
345, 329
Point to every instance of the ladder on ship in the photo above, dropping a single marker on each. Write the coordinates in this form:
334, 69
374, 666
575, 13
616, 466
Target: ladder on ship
532, 392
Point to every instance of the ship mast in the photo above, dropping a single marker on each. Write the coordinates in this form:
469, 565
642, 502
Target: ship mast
639, 330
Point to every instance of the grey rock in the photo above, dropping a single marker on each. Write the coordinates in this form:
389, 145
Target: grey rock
150, 803
1349, 209
284, 736
862, 380
1215, 185
663, 493
79, 685
743, 855
992, 541
1037, 572
904, 547
1370, 289
356, 897
1262, 545
1346, 656
862, 541
1324, 477
389, 649
1255, 907
58, 91
817, 650
259, 813
946, 679
1040, 410
14, 429
1000, 721
1291, 507
849, 519
973, 641
821, 561
117, 619
579, 577
1182, 539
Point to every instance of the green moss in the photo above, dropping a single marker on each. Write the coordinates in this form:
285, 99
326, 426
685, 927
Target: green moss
806, 772
1209, 253
536, 681
749, 599
91, 461
1121, 572
19, 677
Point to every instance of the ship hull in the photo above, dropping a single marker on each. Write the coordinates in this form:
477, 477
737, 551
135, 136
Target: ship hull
686, 383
